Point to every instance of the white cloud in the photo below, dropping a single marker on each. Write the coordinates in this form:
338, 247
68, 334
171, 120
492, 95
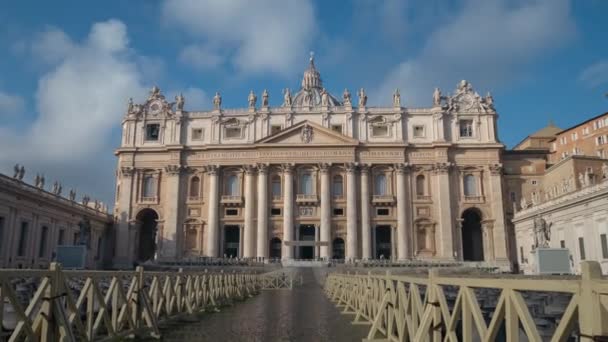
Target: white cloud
486, 42
595, 74
80, 101
196, 99
10, 105
257, 37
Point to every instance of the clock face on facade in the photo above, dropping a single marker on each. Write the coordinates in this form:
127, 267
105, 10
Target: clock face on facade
155, 107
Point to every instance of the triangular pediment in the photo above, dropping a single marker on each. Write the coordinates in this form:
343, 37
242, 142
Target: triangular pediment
308, 133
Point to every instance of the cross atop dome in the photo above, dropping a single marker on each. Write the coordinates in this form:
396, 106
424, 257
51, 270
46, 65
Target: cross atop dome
312, 78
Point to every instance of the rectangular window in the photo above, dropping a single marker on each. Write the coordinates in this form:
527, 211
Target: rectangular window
42, 246
418, 131
574, 136
534, 182
562, 243
197, 134
232, 212
337, 128
382, 211
275, 211
604, 244
466, 128
61, 238
338, 212
380, 131
274, 129
233, 132
23, 239
586, 130
152, 132
581, 247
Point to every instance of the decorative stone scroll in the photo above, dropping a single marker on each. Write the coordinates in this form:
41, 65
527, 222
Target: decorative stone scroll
212, 169
443, 167
350, 167
173, 169
324, 167
127, 171
262, 168
250, 169
495, 169
402, 168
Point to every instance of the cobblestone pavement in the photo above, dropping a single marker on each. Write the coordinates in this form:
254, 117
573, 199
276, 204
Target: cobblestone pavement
302, 314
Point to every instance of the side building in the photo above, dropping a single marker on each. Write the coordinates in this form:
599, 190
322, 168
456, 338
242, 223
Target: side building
317, 177
34, 221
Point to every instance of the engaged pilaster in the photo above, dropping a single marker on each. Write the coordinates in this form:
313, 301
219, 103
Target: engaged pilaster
262, 238
365, 224
442, 177
171, 233
212, 215
351, 212
249, 228
287, 211
325, 234
403, 236
124, 252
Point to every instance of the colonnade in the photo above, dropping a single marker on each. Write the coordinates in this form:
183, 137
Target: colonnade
255, 232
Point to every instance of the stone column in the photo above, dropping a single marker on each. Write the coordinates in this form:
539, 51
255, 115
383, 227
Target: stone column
262, 243
325, 210
365, 225
124, 245
499, 240
317, 236
172, 228
488, 240
249, 227
445, 244
287, 211
403, 238
351, 212
212, 215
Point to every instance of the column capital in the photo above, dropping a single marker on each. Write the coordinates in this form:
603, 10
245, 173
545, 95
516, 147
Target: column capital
495, 169
262, 168
364, 168
287, 167
127, 171
173, 170
250, 169
324, 167
487, 225
212, 169
402, 168
442, 168
350, 167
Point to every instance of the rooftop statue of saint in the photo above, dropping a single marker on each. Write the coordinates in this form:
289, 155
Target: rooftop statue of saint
287, 98
179, 102
362, 98
252, 99
265, 98
217, 101
437, 97
396, 98
324, 98
346, 97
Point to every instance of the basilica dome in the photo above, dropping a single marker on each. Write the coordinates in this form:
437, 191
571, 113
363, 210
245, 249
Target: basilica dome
311, 92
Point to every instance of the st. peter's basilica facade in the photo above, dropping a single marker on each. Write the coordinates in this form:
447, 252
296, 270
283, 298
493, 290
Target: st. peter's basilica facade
320, 177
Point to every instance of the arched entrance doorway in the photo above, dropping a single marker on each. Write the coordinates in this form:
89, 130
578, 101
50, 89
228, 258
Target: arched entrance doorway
147, 220
383, 242
338, 248
232, 241
472, 238
275, 248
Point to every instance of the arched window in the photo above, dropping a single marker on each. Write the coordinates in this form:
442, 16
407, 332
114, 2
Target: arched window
232, 185
380, 184
306, 184
276, 186
338, 186
420, 185
470, 185
195, 185
149, 186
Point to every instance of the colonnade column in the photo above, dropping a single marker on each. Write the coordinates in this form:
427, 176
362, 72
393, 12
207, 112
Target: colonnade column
444, 202
351, 212
403, 239
287, 211
365, 226
249, 228
212, 215
262, 243
325, 235
172, 229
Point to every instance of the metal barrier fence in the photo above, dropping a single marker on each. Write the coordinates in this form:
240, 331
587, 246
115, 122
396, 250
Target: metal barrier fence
104, 305
404, 308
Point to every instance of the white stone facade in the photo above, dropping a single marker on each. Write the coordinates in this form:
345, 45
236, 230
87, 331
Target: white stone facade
317, 177
578, 221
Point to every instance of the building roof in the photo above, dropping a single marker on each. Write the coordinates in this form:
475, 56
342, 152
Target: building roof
584, 122
549, 131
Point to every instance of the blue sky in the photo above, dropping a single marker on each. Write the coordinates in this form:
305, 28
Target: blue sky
68, 67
